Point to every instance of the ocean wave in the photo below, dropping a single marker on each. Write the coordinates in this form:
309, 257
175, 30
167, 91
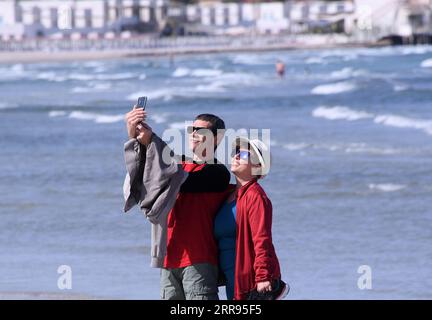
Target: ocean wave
296, 146
354, 147
5, 105
50, 76
80, 76
206, 73
165, 94
400, 87
95, 117
352, 54
391, 120
181, 72
92, 87
105, 77
386, 187
411, 50
56, 113
115, 76
340, 113
212, 87
14, 72
364, 148
347, 73
239, 78
199, 73
248, 59
93, 64
315, 60
426, 63
334, 88
404, 122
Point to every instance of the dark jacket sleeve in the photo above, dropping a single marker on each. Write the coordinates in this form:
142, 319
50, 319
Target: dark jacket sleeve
211, 178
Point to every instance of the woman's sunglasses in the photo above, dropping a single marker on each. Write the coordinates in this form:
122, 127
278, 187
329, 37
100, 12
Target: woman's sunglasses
242, 154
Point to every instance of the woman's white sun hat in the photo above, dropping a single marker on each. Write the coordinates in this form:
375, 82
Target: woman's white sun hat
260, 149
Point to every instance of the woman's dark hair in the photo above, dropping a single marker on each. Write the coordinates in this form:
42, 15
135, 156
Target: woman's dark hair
215, 122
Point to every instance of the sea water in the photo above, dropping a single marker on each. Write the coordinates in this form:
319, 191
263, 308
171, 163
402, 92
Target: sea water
350, 182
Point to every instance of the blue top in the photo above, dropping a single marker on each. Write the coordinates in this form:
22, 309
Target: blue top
225, 234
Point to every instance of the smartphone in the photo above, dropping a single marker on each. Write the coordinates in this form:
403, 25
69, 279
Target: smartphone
142, 101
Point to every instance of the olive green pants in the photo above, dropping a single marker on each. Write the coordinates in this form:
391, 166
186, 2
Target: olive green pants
195, 282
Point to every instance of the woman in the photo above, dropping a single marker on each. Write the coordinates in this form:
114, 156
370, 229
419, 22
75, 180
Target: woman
247, 257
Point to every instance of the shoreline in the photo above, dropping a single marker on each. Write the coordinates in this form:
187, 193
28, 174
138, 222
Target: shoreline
35, 56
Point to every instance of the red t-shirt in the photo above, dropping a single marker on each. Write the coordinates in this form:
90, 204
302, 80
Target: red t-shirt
190, 222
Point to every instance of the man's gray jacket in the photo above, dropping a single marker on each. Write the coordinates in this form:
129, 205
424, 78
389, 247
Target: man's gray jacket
153, 184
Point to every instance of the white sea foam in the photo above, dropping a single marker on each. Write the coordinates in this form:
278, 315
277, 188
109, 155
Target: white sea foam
315, 60
205, 73
347, 73
56, 113
386, 187
96, 117
93, 64
404, 122
166, 94
80, 76
364, 148
17, 68
181, 72
106, 77
345, 113
334, 88
50, 76
340, 113
410, 50
426, 63
5, 105
212, 87
296, 146
115, 76
247, 59
238, 78
200, 73
400, 87
92, 87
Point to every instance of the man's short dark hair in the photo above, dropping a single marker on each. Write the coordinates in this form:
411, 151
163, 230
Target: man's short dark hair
215, 122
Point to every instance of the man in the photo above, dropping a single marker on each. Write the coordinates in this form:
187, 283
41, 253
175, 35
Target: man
280, 68
190, 266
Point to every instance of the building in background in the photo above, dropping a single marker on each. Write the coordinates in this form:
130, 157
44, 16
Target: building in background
122, 18
380, 18
80, 18
270, 17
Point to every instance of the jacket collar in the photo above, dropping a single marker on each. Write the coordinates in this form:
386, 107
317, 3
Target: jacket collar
244, 188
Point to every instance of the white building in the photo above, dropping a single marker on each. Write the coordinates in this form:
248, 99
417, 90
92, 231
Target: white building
29, 18
94, 18
392, 17
267, 17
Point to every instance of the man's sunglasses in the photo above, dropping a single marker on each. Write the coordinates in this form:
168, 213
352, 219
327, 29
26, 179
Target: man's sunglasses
192, 129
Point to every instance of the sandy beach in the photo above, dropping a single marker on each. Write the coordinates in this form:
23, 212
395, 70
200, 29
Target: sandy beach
49, 51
